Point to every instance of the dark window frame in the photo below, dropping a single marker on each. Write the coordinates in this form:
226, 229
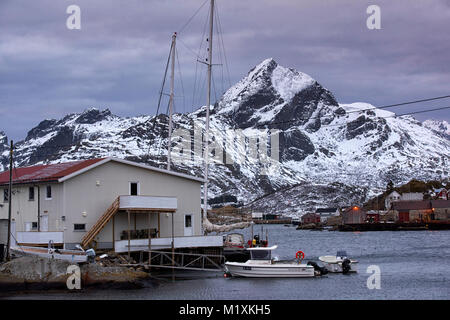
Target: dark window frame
31, 194
47, 189
186, 220
79, 229
131, 188
5, 194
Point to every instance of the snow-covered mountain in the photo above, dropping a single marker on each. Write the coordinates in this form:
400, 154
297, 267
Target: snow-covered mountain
330, 153
440, 126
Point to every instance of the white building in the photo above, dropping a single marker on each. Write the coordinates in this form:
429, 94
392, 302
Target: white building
407, 196
95, 202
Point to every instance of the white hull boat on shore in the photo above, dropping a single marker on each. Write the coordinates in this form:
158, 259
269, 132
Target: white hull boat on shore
339, 263
73, 256
261, 265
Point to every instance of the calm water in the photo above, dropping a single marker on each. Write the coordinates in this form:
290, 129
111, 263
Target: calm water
414, 265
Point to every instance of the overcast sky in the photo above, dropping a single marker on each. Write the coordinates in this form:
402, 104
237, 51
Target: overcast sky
117, 59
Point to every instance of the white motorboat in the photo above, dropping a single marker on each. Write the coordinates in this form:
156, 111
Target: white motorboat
262, 265
339, 263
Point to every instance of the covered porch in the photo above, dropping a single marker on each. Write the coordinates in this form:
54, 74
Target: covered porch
132, 217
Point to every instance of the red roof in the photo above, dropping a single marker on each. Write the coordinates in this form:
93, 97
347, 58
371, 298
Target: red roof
46, 172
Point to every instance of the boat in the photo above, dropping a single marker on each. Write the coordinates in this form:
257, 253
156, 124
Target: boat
261, 265
340, 263
73, 256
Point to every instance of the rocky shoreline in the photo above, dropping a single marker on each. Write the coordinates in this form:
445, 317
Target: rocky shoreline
36, 273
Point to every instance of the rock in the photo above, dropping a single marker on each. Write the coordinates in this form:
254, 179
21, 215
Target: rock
36, 273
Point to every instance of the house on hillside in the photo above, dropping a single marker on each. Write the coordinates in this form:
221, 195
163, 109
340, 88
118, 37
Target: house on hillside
441, 194
393, 196
325, 213
104, 203
406, 196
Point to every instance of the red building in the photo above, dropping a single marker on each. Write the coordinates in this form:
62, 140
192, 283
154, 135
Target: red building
310, 218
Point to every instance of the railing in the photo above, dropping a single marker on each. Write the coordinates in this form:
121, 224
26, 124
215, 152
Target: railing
148, 202
185, 261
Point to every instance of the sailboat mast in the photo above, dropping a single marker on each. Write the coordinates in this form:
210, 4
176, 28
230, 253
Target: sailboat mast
208, 103
172, 77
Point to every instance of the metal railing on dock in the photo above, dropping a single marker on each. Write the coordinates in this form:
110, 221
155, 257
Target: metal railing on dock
181, 260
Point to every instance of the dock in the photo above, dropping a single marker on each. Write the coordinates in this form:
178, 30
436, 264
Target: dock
395, 226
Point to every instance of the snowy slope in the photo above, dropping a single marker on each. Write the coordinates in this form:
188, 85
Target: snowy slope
330, 153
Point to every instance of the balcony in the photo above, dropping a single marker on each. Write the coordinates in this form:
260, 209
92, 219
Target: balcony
148, 203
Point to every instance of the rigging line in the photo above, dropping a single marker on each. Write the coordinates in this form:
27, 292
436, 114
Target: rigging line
161, 92
187, 47
181, 80
219, 27
218, 51
192, 17
199, 57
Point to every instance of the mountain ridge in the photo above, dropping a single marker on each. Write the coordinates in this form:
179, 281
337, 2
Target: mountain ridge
324, 147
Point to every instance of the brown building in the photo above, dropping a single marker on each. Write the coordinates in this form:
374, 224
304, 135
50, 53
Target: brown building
440, 209
310, 218
412, 211
354, 215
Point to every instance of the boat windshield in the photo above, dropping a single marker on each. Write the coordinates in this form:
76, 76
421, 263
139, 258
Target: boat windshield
260, 254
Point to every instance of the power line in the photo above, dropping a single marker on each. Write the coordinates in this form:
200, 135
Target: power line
369, 109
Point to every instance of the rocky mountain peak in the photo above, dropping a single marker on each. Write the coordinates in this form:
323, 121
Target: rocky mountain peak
93, 115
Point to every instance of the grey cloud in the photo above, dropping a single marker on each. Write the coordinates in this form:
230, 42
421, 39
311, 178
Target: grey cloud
117, 59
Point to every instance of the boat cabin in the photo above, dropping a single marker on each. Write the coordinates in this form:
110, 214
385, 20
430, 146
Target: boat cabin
261, 253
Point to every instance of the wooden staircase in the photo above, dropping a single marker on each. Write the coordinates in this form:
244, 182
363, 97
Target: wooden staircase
101, 223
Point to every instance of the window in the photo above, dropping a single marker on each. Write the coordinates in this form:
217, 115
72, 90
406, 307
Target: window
5, 194
49, 192
31, 193
134, 188
79, 227
34, 226
188, 221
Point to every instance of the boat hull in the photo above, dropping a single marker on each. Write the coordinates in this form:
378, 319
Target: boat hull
269, 271
334, 264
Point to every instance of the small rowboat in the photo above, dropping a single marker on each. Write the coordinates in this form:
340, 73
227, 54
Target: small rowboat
339, 263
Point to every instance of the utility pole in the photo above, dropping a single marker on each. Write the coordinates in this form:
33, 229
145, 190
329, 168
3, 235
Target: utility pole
9, 201
172, 77
208, 103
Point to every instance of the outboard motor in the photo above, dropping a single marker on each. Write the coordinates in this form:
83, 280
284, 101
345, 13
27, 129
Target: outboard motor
346, 266
320, 270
